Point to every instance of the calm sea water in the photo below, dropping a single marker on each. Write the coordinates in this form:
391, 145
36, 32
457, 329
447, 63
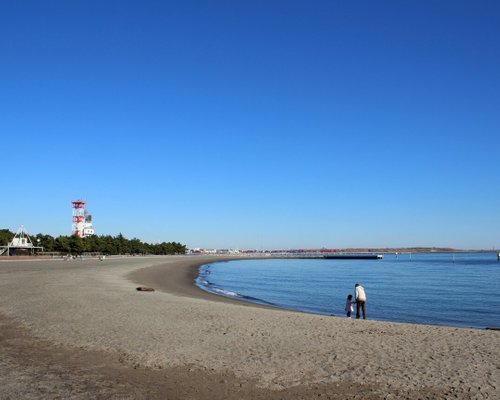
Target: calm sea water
460, 289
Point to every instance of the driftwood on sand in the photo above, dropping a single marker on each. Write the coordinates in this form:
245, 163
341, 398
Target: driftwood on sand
145, 289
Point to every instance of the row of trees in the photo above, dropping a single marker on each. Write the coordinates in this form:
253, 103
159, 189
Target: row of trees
105, 244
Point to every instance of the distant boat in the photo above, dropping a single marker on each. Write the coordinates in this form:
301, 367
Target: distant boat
354, 257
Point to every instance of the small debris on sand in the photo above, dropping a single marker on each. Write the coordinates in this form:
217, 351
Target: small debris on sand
145, 289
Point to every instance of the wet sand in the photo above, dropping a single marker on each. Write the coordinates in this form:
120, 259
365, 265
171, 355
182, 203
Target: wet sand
79, 329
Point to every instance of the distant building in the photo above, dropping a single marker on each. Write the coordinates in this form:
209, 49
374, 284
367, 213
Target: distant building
82, 220
20, 245
213, 251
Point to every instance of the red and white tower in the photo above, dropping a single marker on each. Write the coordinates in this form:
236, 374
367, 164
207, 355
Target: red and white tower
82, 220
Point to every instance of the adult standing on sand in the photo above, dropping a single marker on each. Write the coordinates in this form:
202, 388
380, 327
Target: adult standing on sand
360, 297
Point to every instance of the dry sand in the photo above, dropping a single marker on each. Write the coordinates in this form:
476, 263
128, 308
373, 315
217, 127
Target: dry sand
79, 329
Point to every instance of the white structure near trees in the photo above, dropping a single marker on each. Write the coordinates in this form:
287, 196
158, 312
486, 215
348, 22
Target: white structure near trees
20, 244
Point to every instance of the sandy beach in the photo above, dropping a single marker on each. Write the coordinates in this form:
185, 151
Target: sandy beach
79, 329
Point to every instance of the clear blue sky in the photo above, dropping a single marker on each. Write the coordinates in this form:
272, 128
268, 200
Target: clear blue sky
254, 124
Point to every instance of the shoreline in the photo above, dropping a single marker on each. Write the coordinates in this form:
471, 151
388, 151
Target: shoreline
183, 342
180, 281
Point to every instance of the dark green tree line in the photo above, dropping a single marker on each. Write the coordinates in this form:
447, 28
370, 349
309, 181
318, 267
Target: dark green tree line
5, 237
105, 244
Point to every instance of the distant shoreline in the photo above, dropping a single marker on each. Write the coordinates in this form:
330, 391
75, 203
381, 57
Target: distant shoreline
371, 250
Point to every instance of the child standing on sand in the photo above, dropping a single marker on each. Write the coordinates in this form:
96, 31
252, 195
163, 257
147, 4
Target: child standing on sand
348, 306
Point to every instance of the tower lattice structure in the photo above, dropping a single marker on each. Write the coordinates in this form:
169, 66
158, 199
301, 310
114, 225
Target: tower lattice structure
82, 220
78, 217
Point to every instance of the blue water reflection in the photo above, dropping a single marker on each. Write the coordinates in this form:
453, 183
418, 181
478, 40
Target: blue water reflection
459, 289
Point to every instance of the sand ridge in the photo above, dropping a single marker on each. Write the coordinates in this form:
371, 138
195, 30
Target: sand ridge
92, 305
